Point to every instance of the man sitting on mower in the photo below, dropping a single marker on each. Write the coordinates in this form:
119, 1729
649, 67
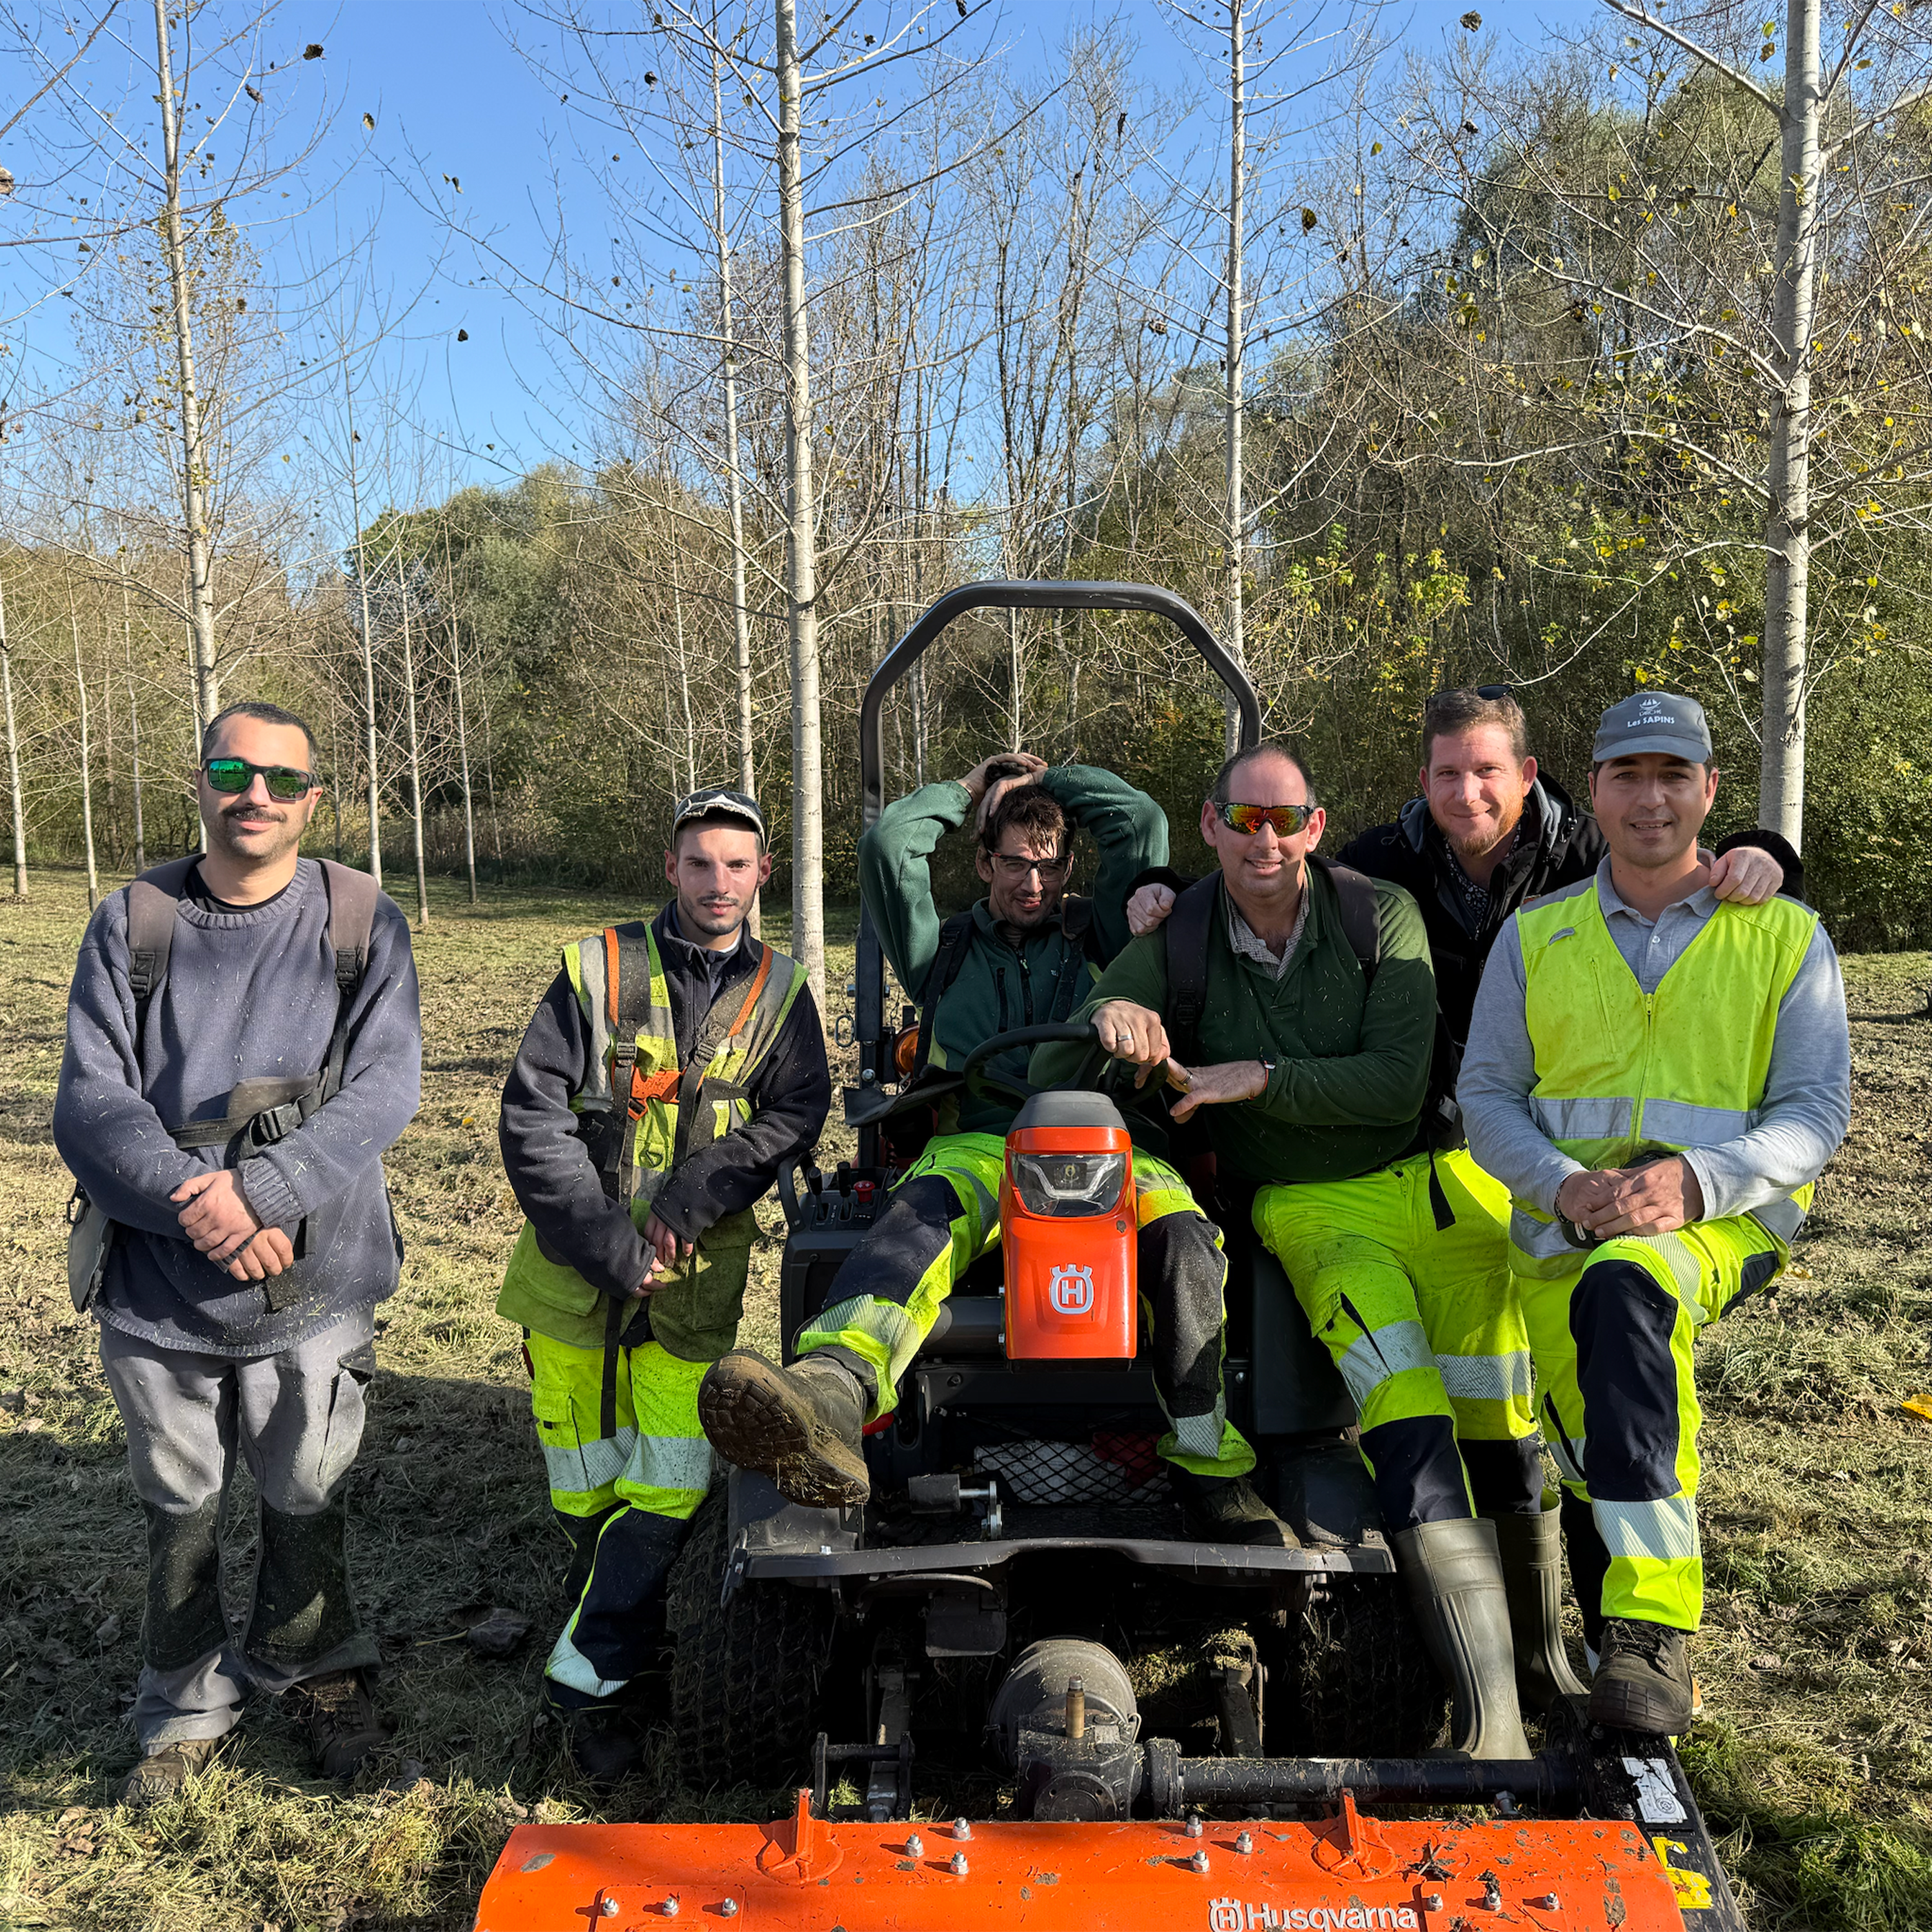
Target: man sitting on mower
1312, 1016
1026, 954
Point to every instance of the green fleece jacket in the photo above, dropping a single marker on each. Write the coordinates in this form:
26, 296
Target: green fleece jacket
1351, 1061
999, 985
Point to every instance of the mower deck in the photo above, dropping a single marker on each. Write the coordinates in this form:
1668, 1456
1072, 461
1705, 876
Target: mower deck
1345, 1872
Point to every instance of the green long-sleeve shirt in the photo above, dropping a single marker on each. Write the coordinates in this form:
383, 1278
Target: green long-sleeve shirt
1351, 1061
999, 985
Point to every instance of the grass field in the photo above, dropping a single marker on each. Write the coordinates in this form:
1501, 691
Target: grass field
1815, 1761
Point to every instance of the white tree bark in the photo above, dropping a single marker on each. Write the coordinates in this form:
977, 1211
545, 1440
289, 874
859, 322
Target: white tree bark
86, 758
1788, 516
1235, 535
195, 477
415, 751
375, 783
807, 843
13, 792
133, 735
463, 755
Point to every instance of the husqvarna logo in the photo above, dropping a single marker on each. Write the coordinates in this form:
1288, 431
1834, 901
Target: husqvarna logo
1071, 1290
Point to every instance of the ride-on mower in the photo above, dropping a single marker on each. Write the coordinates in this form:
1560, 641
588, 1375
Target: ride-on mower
1015, 1611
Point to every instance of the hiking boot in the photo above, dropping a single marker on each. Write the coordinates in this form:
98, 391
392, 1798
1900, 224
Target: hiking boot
1227, 1509
606, 1742
801, 1426
344, 1725
1643, 1681
161, 1773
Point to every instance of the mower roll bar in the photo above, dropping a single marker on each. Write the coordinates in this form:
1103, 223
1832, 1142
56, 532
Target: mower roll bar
996, 594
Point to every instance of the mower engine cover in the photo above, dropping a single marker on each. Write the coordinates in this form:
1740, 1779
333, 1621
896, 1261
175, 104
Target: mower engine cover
1068, 1224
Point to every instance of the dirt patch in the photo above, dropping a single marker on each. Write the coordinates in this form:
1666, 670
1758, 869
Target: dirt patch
1816, 1664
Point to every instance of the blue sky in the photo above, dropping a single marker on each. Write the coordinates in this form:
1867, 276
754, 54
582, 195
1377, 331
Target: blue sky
447, 89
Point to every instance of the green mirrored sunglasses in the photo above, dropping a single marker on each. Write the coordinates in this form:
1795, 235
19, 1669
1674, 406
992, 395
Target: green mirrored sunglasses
233, 776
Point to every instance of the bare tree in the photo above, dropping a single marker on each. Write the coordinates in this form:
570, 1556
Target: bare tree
15, 797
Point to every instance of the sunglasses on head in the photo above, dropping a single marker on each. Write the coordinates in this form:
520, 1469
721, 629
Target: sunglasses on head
1489, 692
233, 776
1286, 820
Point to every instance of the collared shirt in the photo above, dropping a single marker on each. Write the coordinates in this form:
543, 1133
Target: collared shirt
1794, 1129
1475, 894
1249, 944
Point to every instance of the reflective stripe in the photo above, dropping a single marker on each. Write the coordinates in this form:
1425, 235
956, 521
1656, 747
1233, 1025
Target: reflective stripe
1683, 1125
568, 1665
1782, 1218
1367, 1364
1606, 1117
1486, 1378
1665, 1531
1542, 1240
589, 1466
671, 1462
1568, 1466
1200, 1435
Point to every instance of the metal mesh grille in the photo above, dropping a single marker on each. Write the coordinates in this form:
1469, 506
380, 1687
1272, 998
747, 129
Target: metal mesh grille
1115, 1466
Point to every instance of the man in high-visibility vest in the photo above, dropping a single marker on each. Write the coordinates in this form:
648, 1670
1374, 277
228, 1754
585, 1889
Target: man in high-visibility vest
670, 1069
1658, 1078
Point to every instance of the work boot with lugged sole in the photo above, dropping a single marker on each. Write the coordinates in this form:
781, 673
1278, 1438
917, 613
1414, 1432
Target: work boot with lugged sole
1643, 1679
1531, 1550
344, 1726
800, 1426
1455, 1583
162, 1773
1226, 1509
606, 1741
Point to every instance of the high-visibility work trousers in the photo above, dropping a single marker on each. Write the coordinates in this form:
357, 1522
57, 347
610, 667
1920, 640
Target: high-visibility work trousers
1612, 1335
945, 1214
650, 1472
1404, 1275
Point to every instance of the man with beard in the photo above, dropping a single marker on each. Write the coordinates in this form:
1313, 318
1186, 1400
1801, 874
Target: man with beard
1027, 954
235, 1237
669, 1069
1489, 833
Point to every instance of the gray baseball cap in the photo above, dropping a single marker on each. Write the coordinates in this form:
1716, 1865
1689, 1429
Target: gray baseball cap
717, 801
1653, 721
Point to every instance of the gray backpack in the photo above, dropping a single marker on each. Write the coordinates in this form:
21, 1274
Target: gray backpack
256, 1113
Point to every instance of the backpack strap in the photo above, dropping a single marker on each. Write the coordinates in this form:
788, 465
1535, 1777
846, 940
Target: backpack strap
716, 1030
351, 919
1186, 933
627, 997
955, 936
152, 899
1361, 916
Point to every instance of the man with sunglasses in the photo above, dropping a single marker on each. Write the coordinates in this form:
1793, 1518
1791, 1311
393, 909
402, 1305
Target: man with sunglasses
670, 1067
1312, 1015
248, 1232
1027, 954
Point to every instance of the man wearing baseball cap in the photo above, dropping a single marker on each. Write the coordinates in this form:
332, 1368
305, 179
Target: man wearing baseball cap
670, 1069
1658, 1078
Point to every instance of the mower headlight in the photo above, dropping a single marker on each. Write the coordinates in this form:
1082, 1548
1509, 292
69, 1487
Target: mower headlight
1070, 1184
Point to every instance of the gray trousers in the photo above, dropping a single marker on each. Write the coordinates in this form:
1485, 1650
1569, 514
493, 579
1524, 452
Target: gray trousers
296, 1417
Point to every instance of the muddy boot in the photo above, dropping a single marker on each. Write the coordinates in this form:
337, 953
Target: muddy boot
800, 1426
1227, 1509
1532, 1550
1455, 1585
1643, 1680
607, 1743
161, 1773
344, 1725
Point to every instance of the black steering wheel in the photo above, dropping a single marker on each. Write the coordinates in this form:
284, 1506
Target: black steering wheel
1094, 1066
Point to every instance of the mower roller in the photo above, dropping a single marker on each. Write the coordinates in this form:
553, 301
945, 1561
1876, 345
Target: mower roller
1017, 1610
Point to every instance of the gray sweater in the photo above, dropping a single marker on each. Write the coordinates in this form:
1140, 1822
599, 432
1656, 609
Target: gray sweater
248, 995
1807, 1094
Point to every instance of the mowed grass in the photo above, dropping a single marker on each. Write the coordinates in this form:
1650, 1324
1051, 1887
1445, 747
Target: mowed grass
1815, 1763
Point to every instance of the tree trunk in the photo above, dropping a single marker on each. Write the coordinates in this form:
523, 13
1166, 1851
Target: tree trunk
683, 678
1787, 534
490, 790
1235, 533
741, 620
462, 756
368, 645
415, 754
808, 829
14, 792
1013, 678
86, 760
194, 458
134, 736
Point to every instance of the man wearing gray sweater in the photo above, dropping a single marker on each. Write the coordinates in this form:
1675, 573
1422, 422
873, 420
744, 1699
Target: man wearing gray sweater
242, 1044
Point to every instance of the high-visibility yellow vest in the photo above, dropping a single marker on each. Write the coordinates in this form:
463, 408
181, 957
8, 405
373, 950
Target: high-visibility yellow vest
1620, 1073
634, 1098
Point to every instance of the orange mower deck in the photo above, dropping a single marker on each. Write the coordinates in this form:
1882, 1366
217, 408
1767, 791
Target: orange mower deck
1348, 1872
